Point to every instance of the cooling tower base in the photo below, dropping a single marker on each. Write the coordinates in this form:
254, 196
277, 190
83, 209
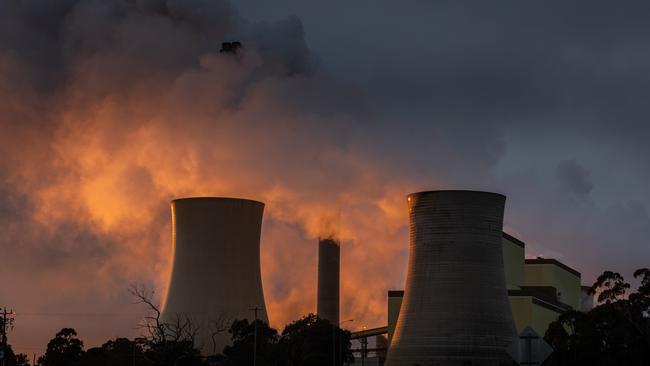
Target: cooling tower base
441, 356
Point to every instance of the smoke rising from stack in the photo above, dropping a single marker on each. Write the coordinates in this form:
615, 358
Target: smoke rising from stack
110, 109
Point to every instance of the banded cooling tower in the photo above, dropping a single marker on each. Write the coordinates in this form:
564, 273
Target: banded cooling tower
455, 307
327, 305
216, 274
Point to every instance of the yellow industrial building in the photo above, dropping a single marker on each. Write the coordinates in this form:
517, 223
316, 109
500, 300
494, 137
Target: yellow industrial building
539, 289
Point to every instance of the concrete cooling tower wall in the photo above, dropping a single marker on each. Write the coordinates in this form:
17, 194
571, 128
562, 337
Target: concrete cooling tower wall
216, 274
455, 307
327, 304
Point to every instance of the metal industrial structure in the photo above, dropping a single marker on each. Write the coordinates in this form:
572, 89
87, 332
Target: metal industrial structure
329, 259
216, 275
455, 307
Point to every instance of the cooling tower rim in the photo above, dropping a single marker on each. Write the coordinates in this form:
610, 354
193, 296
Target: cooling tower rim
217, 199
423, 193
333, 238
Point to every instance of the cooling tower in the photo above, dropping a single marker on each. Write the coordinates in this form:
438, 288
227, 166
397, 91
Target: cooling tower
455, 307
215, 275
327, 305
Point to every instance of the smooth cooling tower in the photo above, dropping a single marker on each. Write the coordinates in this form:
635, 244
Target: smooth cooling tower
216, 274
327, 304
455, 307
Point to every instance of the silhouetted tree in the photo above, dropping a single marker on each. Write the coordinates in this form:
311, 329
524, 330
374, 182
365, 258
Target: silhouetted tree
21, 360
314, 341
12, 359
642, 296
610, 286
65, 349
240, 353
95, 356
309, 341
168, 343
173, 353
118, 352
616, 332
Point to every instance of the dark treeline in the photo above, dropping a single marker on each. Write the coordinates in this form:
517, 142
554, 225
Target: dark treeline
307, 341
616, 332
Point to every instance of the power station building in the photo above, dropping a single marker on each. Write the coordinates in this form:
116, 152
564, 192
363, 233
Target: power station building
539, 289
216, 275
469, 288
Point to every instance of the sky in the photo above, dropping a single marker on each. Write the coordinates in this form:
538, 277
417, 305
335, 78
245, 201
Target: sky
109, 109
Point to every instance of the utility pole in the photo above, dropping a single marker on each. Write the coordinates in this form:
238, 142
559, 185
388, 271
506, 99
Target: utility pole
333, 344
254, 310
340, 344
364, 348
6, 321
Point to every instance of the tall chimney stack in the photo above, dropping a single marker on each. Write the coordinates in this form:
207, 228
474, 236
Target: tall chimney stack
329, 258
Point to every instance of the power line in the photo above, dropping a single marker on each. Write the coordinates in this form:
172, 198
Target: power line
6, 322
60, 314
78, 314
256, 309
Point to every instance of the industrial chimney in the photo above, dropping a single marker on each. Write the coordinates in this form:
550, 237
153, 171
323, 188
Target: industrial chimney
215, 275
455, 308
329, 253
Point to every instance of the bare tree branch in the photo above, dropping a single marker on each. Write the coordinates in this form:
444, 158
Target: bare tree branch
216, 327
176, 328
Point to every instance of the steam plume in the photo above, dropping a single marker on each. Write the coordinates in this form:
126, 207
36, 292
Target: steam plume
110, 109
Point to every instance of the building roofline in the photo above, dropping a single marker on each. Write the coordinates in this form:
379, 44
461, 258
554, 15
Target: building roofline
554, 262
548, 305
455, 191
216, 199
557, 306
514, 240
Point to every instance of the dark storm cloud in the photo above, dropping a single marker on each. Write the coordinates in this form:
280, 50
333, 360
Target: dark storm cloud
111, 108
474, 62
503, 96
574, 177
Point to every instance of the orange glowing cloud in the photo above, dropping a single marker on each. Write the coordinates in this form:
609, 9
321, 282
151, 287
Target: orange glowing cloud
127, 129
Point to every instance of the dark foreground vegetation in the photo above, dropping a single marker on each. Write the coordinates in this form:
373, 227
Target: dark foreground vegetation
307, 341
616, 332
